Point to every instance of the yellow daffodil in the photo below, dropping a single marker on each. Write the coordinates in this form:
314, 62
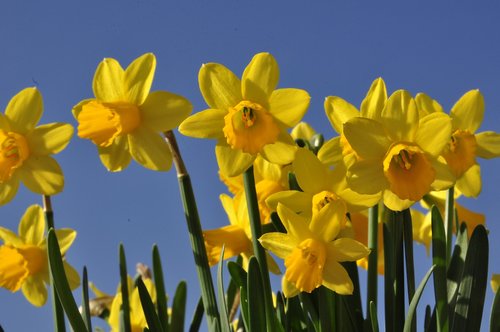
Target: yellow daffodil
23, 257
247, 117
125, 120
495, 282
312, 251
236, 237
465, 144
320, 187
269, 179
339, 111
137, 319
25, 149
303, 130
398, 155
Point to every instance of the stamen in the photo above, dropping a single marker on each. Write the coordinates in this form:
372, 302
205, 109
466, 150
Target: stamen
248, 116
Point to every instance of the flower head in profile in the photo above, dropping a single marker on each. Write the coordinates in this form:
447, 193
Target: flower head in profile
125, 120
398, 155
25, 149
465, 145
23, 257
236, 238
312, 251
137, 319
248, 117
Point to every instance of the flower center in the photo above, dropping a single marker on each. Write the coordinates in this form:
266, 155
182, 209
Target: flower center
249, 126
461, 152
103, 122
304, 266
322, 199
13, 270
409, 172
13, 151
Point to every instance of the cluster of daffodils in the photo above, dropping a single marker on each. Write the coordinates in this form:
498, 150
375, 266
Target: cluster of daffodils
312, 196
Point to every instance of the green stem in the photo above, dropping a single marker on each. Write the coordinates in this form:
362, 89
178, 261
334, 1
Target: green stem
125, 307
57, 309
449, 212
410, 267
256, 228
195, 236
372, 279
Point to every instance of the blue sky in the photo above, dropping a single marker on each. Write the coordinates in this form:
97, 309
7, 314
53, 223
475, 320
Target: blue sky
324, 48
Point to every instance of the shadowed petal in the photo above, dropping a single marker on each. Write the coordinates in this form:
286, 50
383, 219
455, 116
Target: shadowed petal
42, 175
115, 157
51, 138
163, 111
139, 77
149, 149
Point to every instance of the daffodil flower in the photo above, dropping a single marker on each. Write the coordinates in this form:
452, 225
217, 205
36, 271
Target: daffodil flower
23, 257
247, 117
398, 155
25, 149
235, 237
465, 144
137, 319
312, 251
126, 120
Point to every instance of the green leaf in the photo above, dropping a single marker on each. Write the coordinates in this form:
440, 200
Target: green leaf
238, 274
224, 321
179, 308
125, 307
244, 308
256, 307
495, 314
439, 276
148, 307
472, 289
197, 317
373, 316
410, 268
61, 283
456, 267
414, 301
85, 300
161, 298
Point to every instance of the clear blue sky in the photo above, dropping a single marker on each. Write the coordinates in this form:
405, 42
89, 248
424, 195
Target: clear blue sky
441, 49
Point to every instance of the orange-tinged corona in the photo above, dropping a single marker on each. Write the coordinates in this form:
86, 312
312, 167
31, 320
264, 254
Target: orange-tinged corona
13, 151
304, 266
461, 152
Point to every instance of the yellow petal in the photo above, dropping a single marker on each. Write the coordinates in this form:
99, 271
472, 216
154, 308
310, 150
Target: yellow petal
330, 153
32, 226
279, 244
163, 111
232, 237
327, 223
393, 202
367, 137
298, 201
296, 225
280, 153
35, 291
339, 111
426, 105
78, 107
51, 138
149, 149
220, 88
289, 289
495, 282
468, 111
108, 84
375, 100
232, 162
335, 277
444, 177
9, 237
303, 130
65, 238
312, 176
204, 124
8, 189
139, 77
488, 144
470, 183
366, 177
260, 78
400, 116
72, 276
434, 132
228, 205
115, 157
347, 250
42, 175
289, 105
24, 110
